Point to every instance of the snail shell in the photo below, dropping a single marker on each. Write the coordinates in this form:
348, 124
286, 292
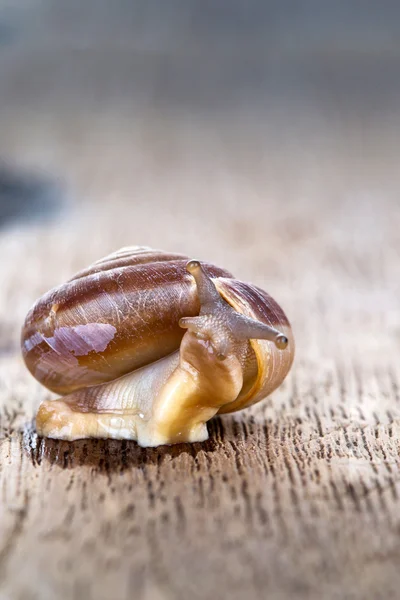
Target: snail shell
112, 341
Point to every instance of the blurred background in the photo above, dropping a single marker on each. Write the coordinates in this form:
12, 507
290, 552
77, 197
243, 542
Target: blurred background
261, 136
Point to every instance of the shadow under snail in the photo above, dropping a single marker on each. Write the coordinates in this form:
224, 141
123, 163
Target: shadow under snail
147, 345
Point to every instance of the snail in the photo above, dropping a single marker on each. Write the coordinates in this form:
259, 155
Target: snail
148, 346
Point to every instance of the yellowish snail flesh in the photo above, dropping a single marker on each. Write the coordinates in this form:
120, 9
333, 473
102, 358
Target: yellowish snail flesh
148, 346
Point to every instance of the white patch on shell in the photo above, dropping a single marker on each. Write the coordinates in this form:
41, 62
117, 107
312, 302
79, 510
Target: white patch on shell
67, 344
32, 341
81, 339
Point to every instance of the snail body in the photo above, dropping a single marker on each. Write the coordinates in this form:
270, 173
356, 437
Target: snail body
149, 346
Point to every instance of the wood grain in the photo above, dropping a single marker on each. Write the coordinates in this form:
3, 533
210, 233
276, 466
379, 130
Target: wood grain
297, 497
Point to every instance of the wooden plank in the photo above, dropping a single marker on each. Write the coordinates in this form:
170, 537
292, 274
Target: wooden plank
297, 497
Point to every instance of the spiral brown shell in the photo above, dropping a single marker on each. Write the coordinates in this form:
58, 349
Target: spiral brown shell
123, 313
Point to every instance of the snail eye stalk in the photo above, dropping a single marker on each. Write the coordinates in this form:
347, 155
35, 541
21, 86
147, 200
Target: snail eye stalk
219, 322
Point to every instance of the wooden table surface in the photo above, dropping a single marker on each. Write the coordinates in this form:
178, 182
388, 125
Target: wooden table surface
297, 497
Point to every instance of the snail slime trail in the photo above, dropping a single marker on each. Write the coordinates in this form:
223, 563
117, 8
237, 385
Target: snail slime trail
148, 346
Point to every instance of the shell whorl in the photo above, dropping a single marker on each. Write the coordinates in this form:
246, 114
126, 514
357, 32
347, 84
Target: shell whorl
116, 316
273, 363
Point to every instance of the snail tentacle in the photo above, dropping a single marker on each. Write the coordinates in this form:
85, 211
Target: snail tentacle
220, 323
